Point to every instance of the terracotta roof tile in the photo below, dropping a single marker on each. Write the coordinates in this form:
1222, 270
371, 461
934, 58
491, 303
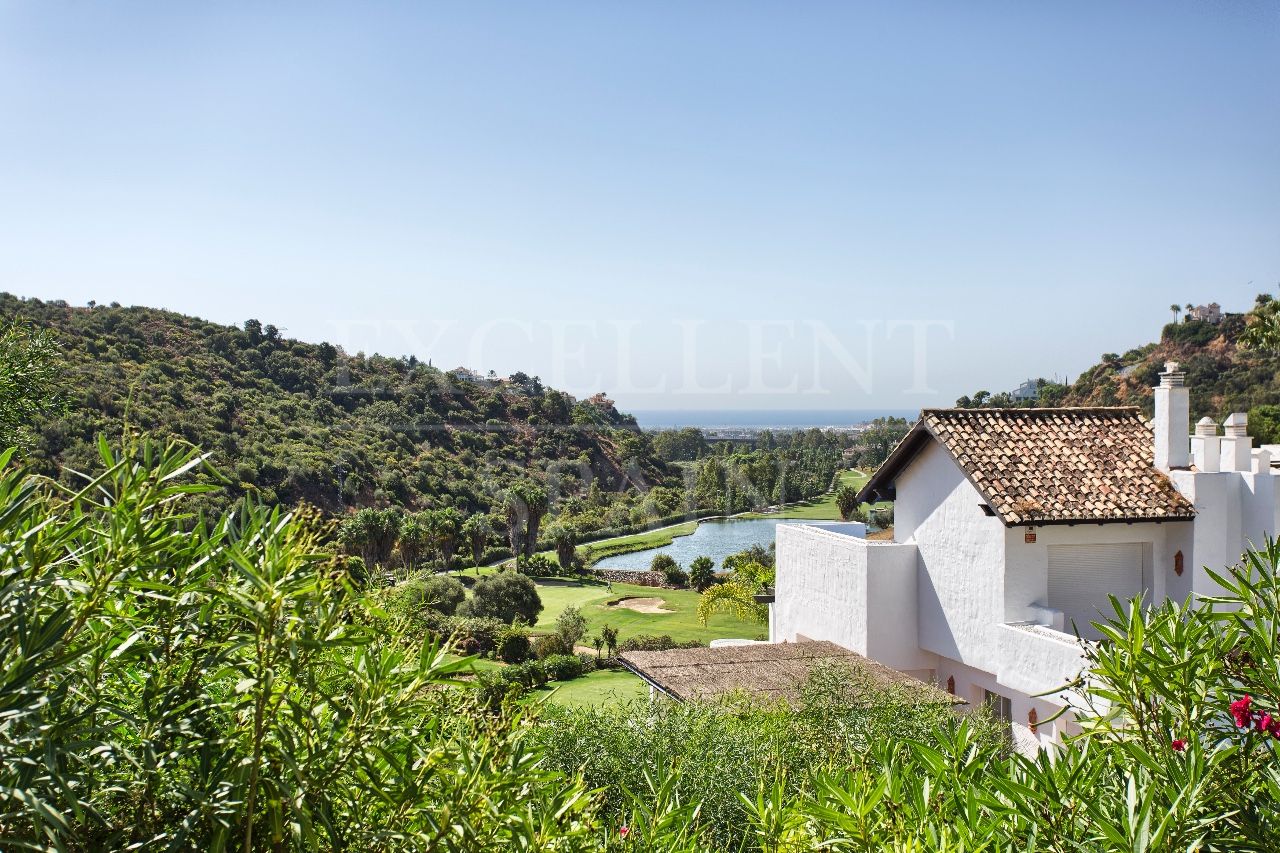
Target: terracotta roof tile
1050, 465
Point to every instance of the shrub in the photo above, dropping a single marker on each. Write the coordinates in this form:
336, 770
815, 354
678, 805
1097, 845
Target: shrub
649, 643
663, 563
472, 635
701, 573
493, 689
562, 667
443, 593
551, 644
571, 626
512, 644
505, 596
540, 566
530, 674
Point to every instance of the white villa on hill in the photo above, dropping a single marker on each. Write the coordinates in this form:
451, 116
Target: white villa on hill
1014, 525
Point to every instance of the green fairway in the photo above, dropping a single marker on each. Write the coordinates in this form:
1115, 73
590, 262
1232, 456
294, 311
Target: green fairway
822, 508
681, 624
602, 687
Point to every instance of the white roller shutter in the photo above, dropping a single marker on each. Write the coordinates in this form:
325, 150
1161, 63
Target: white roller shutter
1082, 576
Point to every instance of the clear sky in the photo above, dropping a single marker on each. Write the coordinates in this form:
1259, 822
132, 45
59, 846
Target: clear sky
687, 205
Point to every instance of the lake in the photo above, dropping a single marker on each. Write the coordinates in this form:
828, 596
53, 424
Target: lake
717, 539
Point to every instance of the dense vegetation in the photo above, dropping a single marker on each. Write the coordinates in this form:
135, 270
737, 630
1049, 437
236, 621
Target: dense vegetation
292, 421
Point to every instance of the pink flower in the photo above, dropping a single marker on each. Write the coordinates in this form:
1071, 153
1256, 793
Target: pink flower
1178, 745
1263, 723
624, 831
1240, 711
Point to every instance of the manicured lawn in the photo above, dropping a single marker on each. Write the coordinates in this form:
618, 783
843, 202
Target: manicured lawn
602, 687
681, 624
479, 663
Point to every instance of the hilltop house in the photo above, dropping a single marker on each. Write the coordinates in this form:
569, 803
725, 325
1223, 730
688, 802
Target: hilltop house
1012, 528
1211, 313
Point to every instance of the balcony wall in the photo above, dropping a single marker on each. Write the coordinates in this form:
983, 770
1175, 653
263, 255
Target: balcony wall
845, 589
1035, 660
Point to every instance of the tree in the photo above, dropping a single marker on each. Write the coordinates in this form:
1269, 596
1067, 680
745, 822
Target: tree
371, 534
571, 626
415, 539
505, 596
1176, 309
609, 635
566, 541
701, 573
538, 504
29, 381
847, 501
441, 593
445, 526
258, 694
475, 532
670, 569
1262, 332
525, 503
1264, 424
444, 593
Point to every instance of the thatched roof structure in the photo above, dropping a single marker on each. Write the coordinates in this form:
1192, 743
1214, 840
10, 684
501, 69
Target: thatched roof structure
768, 670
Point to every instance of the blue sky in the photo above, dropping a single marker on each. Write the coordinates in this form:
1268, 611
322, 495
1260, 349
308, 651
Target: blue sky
710, 205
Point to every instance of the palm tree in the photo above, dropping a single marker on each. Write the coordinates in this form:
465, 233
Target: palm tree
737, 594
476, 530
1175, 308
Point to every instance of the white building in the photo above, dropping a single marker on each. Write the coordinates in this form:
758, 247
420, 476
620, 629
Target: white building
1014, 525
1028, 390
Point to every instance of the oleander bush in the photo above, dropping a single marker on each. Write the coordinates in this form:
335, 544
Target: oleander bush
176, 682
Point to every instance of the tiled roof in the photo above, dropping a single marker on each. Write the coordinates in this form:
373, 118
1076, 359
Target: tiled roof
1049, 465
767, 670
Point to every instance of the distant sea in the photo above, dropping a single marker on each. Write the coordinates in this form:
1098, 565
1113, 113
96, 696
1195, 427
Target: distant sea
763, 418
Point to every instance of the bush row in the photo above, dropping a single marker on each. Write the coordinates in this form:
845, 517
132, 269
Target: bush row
514, 681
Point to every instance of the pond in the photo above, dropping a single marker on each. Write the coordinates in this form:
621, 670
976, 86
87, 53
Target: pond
716, 538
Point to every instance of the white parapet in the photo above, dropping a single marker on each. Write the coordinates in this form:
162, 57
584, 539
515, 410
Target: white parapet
856, 593
1036, 660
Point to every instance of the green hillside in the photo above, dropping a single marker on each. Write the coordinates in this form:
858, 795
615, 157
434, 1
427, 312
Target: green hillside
294, 421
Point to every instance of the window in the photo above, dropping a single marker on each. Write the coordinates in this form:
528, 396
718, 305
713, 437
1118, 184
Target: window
1001, 706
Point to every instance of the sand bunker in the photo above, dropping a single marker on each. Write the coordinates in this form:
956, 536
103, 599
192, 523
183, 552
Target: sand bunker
642, 605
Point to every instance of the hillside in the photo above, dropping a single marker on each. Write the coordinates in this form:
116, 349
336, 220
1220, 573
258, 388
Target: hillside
1223, 376
295, 421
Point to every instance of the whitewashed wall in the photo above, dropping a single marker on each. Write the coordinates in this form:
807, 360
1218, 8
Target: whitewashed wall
841, 588
960, 573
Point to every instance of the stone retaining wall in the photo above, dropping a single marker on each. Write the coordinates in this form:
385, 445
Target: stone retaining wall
645, 578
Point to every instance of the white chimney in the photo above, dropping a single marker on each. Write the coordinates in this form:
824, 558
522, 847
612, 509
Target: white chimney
1261, 461
1237, 446
1206, 446
1172, 419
